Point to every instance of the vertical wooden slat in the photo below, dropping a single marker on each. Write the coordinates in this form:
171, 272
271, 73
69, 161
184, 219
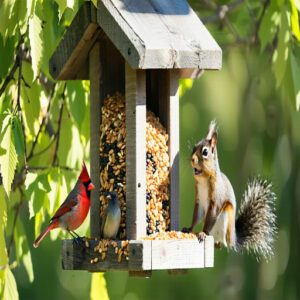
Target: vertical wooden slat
173, 128
135, 93
163, 100
95, 120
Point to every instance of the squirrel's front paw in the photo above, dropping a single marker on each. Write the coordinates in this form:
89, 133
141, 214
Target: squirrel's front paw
201, 236
186, 230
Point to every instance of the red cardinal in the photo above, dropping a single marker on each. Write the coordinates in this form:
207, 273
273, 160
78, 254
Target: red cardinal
75, 208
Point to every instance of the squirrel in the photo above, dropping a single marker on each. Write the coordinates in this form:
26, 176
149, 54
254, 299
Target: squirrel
255, 227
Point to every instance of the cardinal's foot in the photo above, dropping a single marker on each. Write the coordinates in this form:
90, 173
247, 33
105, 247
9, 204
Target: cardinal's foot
79, 241
186, 230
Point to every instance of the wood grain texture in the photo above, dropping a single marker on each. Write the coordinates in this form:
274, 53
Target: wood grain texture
140, 255
95, 73
149, 35
209, 248
144, 255
70, 59
78, 257
173, 128
159, 34
177, 254
135, 95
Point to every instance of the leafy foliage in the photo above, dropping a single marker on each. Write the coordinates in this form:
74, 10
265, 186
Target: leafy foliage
38, 158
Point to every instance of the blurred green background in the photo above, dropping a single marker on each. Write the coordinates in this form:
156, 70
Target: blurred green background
258, 134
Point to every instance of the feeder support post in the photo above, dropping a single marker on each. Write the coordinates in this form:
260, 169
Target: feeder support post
135, 95
95, 72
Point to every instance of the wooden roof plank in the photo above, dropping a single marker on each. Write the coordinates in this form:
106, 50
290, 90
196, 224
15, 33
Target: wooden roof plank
165, 34
150, 34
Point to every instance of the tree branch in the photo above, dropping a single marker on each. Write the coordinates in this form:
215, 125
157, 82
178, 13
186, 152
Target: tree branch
43, 122
258, 23
19, 61
57, 135
9, 77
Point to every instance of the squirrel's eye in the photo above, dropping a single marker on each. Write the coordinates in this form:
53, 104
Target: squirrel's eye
205, 152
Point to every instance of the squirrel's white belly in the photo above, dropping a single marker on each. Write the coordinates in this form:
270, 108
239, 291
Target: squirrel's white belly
219, 229
202, 191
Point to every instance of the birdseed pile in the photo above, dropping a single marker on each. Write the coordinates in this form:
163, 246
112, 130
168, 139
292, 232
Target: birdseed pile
113, 165
102, 249
171, 235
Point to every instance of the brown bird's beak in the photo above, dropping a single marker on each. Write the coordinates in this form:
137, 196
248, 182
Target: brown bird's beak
90, 187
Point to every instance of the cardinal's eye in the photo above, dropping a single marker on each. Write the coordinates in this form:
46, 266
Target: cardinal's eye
205, 152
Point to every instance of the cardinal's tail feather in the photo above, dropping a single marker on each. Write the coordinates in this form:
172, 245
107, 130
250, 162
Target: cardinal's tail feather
52, 225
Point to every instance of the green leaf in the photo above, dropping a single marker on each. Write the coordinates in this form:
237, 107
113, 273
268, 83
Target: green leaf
18, 135
51, 34
22, 249
36, 43
281, 54
6, 9
269, 25
297, 4
98, 287
30, 4
30, 103
8, 161
10, 288
72, 151
295, 20
63, 4
38, 220
37, 188
3, 222
76, 101
295, 68
7, 50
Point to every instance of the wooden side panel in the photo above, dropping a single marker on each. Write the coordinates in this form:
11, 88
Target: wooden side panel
209, 248
95, 121
140, 255
178, 254
113, 70
143, 256
135, 85
78, 257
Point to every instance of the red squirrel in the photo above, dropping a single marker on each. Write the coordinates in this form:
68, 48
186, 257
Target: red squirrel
215, 203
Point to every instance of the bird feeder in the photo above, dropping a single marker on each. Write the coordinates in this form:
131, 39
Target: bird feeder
141, 49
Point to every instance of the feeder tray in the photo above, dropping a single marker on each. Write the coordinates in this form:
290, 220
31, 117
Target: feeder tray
140, 49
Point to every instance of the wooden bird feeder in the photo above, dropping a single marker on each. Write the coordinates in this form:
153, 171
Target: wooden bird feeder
140, 48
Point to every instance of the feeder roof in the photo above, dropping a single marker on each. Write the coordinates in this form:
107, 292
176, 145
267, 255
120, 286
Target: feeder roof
150, 34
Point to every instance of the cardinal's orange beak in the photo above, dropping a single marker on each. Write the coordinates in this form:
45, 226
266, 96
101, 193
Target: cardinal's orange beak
90, 187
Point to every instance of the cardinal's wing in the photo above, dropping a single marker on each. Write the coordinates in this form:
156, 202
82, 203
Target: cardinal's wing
69, 203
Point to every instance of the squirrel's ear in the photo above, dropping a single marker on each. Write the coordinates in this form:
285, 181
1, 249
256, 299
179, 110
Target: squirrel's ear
212, 134
213, 142
212, 129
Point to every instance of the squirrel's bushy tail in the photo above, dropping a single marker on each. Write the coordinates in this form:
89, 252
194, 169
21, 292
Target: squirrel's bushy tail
256, 222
